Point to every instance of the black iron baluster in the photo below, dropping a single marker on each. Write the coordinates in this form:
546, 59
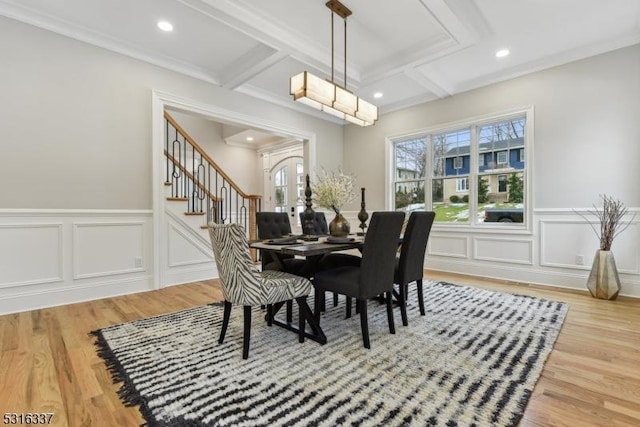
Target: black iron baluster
176, 173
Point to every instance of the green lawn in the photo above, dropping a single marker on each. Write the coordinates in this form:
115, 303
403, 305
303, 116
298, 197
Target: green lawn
459, 212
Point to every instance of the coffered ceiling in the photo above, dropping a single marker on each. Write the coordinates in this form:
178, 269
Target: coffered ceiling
411, 51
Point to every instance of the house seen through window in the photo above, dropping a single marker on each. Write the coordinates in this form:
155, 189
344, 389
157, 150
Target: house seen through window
472, 175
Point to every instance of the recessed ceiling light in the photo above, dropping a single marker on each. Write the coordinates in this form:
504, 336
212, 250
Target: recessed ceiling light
502, 53
249, 138
165, 26
377, 95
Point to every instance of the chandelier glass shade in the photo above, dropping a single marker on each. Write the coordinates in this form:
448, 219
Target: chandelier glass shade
327, 96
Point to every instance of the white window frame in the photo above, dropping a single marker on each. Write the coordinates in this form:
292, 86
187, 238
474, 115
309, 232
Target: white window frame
505, 154
525, 227
462, 185
458, 162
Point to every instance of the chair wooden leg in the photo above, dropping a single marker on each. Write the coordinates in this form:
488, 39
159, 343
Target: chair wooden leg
225, 321
289, 311
269, 314
364, 322
420, 297
335, 299
392, 325
302, 301
247, 332
402, 300
349, 303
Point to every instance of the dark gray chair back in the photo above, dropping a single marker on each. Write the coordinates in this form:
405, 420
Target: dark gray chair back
317, 226
272, 225
414, 246
378, 253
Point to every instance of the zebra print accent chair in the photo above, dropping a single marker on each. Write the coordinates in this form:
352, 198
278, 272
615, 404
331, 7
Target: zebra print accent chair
243, 284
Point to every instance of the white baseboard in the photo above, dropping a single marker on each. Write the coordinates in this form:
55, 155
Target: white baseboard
33, 300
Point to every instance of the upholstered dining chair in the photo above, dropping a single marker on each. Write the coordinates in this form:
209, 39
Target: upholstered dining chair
275, 225
243, 284
409, 266
374, 275
318, 227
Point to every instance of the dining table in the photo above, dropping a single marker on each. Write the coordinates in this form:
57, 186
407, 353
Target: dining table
312, 248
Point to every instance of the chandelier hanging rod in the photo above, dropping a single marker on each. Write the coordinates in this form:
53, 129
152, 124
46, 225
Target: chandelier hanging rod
342, 11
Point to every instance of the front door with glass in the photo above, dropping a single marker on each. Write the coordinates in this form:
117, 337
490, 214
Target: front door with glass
287, 189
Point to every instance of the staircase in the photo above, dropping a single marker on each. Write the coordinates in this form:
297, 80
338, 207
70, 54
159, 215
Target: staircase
201, 188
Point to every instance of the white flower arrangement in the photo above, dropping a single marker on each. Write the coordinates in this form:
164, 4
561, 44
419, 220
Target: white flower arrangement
333, 190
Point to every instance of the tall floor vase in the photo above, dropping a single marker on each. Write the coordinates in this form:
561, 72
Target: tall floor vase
603, 281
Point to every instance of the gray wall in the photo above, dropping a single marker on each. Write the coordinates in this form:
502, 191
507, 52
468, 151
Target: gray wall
75, 122
587, 135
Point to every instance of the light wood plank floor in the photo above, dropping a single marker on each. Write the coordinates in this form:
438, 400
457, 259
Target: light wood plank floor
48, 361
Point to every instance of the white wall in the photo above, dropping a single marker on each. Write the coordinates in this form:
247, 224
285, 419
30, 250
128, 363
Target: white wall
76, 135
77, 119
587, 142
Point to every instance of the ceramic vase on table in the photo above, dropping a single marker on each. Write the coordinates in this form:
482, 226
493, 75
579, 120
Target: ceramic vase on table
339, 226
603, 281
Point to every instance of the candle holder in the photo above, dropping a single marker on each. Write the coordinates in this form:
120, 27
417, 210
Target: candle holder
309, 213
362, 215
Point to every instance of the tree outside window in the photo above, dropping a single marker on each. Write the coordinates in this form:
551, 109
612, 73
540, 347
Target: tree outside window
485, 160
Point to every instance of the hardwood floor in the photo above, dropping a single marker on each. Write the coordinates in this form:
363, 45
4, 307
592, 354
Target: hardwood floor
48, 362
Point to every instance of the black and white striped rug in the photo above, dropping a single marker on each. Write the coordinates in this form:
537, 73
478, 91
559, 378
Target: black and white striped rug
473, 360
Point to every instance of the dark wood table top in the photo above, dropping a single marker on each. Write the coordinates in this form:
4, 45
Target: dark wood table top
308, 248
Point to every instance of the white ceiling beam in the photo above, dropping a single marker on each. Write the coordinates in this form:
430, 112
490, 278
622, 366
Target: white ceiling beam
437, 89
242, 18
250, 64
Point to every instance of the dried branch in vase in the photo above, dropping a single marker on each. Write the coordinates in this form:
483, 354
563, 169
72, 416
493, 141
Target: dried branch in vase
610, 217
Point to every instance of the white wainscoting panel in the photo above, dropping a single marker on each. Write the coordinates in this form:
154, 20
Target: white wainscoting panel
30, 254
550, 255
563, 241
184, 249
52, 257
453, 246
506, 249
107, 248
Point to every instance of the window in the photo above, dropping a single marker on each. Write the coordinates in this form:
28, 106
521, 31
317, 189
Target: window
409, 163
462, 185
457, 163
466, 171
501, 158
502, 183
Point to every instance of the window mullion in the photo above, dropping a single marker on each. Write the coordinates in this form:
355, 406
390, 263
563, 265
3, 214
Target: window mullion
428, 176
474, 152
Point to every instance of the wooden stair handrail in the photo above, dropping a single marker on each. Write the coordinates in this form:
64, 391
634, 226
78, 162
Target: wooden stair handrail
207, 158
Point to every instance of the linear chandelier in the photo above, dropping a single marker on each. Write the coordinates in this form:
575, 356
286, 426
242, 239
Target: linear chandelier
326, 95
